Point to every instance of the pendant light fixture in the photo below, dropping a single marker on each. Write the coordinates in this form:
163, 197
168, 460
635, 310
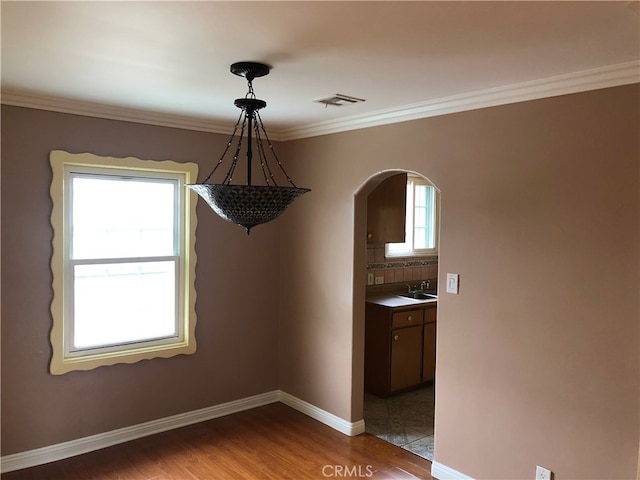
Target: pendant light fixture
250, 205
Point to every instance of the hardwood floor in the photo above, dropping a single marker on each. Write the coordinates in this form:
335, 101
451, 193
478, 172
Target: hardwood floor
270, 442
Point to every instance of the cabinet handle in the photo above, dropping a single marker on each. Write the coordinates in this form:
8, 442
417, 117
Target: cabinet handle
395, 337
369, 236
409, 318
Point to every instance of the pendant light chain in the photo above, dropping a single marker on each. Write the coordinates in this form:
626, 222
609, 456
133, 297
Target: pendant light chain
250, 93
273, 151
267, 174
235, 129
234, 163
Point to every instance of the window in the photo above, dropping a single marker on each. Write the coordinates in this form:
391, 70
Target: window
123, 260
422, 222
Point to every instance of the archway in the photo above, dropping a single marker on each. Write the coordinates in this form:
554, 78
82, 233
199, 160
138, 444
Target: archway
359, 297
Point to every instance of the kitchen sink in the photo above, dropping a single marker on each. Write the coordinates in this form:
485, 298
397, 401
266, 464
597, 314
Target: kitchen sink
420, 295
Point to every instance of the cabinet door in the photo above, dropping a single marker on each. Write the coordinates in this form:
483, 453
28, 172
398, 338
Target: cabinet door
386, 211
429, 365
406, 357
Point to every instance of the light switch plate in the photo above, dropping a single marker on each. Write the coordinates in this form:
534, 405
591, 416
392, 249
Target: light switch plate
452, 283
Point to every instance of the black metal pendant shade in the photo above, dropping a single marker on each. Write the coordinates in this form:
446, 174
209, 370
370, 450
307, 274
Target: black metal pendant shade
250, 205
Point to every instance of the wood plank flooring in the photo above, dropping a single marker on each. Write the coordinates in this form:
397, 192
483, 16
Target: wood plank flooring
270, 442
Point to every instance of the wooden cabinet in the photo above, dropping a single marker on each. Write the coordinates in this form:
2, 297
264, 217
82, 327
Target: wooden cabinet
386, 211
406, 358
399, 347
429, 345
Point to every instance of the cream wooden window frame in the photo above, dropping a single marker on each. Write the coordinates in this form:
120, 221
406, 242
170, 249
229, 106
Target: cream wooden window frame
64, 359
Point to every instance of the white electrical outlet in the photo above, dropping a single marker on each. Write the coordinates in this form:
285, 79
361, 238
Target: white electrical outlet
542, 473
379, 280
369, 278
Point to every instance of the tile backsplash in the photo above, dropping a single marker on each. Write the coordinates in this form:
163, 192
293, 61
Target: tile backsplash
399, 271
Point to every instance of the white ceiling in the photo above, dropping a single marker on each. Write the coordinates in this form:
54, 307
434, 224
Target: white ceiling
171, 59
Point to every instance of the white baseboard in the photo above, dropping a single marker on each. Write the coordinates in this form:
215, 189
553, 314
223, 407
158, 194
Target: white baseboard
442, 472
337, 423
79, 446
60, 451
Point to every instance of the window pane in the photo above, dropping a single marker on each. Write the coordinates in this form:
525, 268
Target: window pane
421, 217
123, 302
420, 220
425, 216
420, 193
122, 217
420, 237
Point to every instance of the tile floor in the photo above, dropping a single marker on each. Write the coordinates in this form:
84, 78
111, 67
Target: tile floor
404, 419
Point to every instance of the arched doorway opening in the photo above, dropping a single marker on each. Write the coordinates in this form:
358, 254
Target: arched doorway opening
405, 417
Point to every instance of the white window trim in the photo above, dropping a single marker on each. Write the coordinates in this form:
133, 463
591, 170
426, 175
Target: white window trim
419, 252
64, 359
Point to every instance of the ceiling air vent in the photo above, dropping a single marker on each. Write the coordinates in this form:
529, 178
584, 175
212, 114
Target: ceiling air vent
338, 100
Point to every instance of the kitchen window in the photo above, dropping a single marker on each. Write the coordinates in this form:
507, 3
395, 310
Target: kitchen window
422, 221
123, 261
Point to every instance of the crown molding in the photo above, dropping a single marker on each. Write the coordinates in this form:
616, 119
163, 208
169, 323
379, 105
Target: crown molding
585, 80
582, 81
99, 110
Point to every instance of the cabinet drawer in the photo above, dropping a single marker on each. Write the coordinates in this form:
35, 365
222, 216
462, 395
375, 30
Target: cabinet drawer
430, 314
406, 319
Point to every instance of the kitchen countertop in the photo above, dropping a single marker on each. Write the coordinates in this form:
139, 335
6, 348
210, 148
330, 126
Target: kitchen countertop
393, 301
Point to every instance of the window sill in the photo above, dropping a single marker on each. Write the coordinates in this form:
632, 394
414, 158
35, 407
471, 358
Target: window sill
60, 366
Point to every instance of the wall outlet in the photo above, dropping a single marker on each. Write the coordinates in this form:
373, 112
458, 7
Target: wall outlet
542, 473
369, 278
379, 280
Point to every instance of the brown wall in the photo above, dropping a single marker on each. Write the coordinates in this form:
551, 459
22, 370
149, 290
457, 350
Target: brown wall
236, 337
538, 356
